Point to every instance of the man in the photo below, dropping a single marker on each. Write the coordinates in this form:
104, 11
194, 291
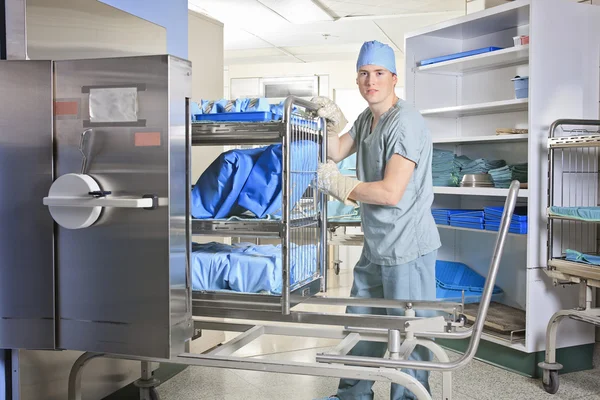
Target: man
395, 192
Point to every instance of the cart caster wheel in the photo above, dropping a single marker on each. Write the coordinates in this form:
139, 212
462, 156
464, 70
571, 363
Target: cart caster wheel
154, 394
552, 387
336, 266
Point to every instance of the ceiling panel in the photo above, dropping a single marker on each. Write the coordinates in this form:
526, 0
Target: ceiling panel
298, 11
351, 8
317, 34
239, 13
396, 28
251, 26
305, 54
238, 39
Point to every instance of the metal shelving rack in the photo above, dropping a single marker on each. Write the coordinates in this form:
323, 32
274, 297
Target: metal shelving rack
573, 181
291, 229
465, 100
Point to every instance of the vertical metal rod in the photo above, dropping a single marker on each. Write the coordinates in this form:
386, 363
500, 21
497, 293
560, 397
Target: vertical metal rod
589, 199
570, 180
579, 194
562, 199
323, 201
285, 292
394, 343
549, 238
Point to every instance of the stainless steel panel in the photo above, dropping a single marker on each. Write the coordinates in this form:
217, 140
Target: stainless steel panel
16, 33
123, 283
26, 237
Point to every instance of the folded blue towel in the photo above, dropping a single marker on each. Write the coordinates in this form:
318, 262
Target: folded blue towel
576, 256
581, 213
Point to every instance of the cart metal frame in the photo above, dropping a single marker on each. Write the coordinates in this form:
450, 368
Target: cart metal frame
576, 170
257, 315
297, 124
402, 334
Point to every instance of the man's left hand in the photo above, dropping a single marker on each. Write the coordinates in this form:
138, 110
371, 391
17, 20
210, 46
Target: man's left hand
331, 181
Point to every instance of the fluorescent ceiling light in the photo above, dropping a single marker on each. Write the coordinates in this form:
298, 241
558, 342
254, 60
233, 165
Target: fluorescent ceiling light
297, 11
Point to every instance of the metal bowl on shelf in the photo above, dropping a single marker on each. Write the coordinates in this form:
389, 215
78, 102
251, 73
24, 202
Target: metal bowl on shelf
477, 180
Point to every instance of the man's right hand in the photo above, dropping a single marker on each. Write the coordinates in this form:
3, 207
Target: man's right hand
336, 121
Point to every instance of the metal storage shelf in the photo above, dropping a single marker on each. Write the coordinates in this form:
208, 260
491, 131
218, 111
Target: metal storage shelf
471, 191
522, 235
494, 107
482, 139
574, 141
495, 59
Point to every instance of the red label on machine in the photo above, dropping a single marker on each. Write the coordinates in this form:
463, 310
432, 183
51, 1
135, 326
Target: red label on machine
66, 108
147, 139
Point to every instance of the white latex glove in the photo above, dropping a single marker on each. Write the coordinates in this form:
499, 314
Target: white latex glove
331, 182
336, 121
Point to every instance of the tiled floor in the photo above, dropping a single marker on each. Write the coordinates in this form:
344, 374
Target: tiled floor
478, 381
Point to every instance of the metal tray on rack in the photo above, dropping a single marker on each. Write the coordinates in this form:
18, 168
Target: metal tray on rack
206, 300
247, 228
576, 269
237, 132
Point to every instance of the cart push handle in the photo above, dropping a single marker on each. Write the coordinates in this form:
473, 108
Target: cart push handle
477, 329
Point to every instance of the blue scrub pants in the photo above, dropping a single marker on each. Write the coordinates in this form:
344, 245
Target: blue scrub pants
414, 280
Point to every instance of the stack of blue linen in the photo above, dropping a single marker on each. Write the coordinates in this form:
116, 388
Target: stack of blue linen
503, 176
443, 170
460, 162
518, 223
481, 166
473, 219
442, 215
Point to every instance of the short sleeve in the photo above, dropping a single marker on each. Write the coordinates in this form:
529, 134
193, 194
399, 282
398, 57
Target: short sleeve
353, 130
358, 125
405, 139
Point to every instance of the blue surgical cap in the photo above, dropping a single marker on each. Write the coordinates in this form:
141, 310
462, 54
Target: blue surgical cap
376, 53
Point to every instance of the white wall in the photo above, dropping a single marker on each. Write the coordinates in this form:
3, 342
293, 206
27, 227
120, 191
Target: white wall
205, 51
69, 29
342, 74
206, 54
168, 13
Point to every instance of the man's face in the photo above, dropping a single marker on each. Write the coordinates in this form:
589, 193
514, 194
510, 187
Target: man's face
375, 83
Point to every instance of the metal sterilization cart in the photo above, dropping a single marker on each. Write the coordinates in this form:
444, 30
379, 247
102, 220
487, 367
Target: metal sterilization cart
573, 202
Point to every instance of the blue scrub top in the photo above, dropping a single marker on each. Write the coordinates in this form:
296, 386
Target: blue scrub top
396, 234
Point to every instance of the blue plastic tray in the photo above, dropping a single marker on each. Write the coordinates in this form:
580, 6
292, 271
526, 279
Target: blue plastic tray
453, 277
467, 220
495, 213
254, 116
448, 211
454, 56
467, 225
515, 227
468, 213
